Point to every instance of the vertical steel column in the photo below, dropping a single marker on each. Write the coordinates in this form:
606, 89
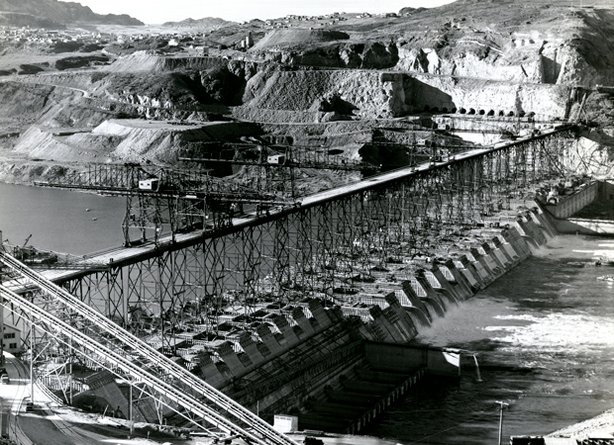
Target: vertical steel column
307, 248
461, 184
344, 235
92, 290
433, 203
117, 302
325, 252
449, 196
142, 296
378, 225
281, 268
408, 232
363, 243
214, 280
396, 219
165, 284
251, 243
234, 274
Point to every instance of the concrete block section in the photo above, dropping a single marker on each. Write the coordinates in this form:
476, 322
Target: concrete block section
434, 307
251, 348
211, 373
281, 322
417, 311
320, 317
442, 298
489, 258
230, 358
487, 271
529, 229
405, 321
269, 340
477, 266
495, 253
298, 314
449, 285
413, 297
545, 222
520, 245
471, 272
466, 288
388, 332
501, 255
506, 250
103, 385
402, 335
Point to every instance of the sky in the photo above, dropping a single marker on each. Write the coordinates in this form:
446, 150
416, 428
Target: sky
160, 11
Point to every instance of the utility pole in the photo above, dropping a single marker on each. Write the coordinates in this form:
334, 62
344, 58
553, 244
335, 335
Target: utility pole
32, 334
131, 411
1, 310
502, 406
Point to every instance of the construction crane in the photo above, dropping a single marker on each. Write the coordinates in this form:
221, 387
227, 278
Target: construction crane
161, 200
282, 156
277, 162
48, 259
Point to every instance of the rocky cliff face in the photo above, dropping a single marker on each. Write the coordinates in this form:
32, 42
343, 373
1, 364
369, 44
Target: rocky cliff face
511, 40
593, 154
372, 94
532, 43
358, 93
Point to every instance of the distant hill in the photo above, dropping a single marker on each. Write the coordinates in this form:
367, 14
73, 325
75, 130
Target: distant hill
204, 24
409, 11
53, 13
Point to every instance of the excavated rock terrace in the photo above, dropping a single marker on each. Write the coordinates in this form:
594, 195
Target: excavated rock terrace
509, 59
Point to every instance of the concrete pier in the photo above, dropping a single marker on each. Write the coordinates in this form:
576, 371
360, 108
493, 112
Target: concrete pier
317, 361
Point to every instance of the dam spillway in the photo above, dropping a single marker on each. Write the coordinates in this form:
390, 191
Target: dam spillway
369, 289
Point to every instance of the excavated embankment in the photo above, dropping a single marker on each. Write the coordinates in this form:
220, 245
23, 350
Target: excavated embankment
375, 94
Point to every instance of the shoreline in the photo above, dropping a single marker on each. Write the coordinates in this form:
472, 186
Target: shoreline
600, 426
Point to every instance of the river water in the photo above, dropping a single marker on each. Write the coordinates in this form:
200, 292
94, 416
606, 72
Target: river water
60, 220
544, 332
545, 338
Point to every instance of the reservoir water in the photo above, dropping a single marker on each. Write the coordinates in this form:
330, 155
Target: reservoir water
545, 337
60, 220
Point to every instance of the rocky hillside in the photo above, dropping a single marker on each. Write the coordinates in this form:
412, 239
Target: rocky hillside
200, 25
53, 14
477, 60
513, 40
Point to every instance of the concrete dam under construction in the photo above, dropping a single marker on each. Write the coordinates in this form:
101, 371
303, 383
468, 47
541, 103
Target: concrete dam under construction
324, 228
304, 311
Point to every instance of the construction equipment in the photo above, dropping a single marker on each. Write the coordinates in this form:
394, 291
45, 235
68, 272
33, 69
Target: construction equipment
277, 162
161, 200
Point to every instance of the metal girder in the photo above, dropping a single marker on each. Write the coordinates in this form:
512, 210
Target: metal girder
313, 249
163, 200
123, 353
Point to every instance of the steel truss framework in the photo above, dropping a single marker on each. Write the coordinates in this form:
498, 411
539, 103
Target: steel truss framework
280, 258
66, 326
173, 201
315, 249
